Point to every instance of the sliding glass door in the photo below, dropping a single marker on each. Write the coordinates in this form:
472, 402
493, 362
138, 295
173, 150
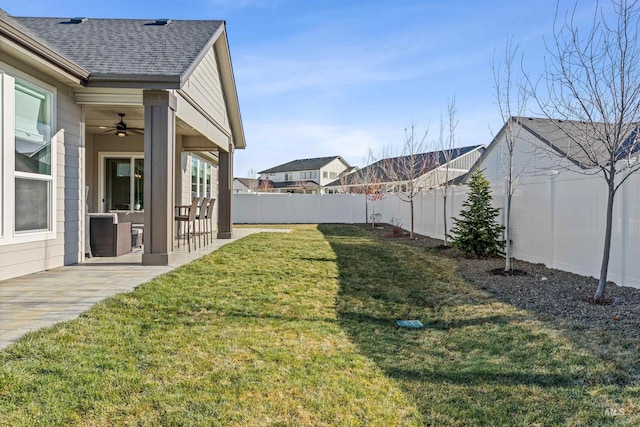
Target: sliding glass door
123, 183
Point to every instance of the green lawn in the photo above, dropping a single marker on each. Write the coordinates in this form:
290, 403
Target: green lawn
298, 329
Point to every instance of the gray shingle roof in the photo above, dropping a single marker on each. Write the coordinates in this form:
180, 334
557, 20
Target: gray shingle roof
304, 164
426, 161
248, 182
125, 46
562, 135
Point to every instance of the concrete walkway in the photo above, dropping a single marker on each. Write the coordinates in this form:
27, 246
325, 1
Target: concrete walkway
42, 299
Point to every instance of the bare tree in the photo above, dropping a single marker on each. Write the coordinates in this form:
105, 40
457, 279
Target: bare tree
404, 171
265, 186
253, 180
367, 181
593, 80
511, 100
447, 154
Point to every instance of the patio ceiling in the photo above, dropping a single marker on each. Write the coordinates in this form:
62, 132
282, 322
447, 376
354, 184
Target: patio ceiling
98, 118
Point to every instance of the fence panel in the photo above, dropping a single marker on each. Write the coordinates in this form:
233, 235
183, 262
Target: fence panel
557, 220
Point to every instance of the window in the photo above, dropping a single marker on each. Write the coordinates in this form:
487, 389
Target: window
201, 173
309, 175
27, 171
333, 175
288, 176
325, 174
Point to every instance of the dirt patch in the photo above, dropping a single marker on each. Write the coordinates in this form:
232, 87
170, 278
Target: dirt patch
510, 273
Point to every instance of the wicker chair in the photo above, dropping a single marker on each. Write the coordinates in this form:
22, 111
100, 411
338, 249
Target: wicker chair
108, 237
187, 215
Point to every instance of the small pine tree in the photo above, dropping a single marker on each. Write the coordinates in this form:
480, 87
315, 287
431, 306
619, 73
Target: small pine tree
477, 233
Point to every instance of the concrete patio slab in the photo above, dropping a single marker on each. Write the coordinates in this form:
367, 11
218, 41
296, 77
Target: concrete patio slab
42, 299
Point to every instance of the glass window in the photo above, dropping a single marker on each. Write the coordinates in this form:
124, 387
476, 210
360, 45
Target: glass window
118, 184
209, 189
124, 183
201, 177
194, 177
33, 183
139, 184
32, 130
32, 205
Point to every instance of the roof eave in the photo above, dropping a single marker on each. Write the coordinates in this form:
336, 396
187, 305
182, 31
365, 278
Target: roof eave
229, 89
42, 51
134, 81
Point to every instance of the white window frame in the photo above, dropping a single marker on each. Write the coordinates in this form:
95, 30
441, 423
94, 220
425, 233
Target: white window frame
208, 167
8, 174
309, 175
102, 182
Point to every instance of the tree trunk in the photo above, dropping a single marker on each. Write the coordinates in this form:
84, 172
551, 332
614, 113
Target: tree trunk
411, 204
604, 269
507, 236
444, 209
366, 208
373, 214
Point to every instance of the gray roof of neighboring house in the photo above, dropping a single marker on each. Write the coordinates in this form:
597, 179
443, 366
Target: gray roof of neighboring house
304, 164
561, 135
426, 161
295, 184
125, 46
248, 182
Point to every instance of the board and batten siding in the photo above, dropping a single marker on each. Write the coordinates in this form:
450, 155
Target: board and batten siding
205, 88
336, 166
67, 247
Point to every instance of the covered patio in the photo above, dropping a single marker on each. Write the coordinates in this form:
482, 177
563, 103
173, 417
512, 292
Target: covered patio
159, 121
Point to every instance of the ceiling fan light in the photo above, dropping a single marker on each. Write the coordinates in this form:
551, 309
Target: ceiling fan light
121, 133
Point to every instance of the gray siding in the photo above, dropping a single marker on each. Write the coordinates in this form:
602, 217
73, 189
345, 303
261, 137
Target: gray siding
25, 258
205, 88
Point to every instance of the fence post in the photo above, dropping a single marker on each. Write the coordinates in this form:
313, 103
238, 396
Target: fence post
624, 232
551, 262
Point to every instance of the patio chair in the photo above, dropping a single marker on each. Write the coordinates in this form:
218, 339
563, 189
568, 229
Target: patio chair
108, 237
200, 217
186, 214
208, 223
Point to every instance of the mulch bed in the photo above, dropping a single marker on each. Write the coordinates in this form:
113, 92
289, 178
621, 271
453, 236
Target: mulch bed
554, 295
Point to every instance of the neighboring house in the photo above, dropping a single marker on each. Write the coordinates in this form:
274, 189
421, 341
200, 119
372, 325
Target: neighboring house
544, 149
305, 175
559, 204
433, 171
245, 185
104, 114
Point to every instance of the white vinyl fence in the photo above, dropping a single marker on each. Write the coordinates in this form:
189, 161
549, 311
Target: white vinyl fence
276, 208
557, 220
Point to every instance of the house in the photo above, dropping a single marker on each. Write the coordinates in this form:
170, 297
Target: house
110, 114
559, 204
429, 170
245, 185
305, 175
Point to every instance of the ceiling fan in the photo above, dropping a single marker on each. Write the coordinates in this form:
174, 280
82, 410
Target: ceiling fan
121, 129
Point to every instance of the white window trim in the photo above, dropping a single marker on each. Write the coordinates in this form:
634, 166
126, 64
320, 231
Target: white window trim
8, 174
102, 185
208, 167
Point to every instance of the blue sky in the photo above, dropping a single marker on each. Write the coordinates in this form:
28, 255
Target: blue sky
322, 78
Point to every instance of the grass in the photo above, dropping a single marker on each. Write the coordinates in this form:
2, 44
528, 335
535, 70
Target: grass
298, 329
